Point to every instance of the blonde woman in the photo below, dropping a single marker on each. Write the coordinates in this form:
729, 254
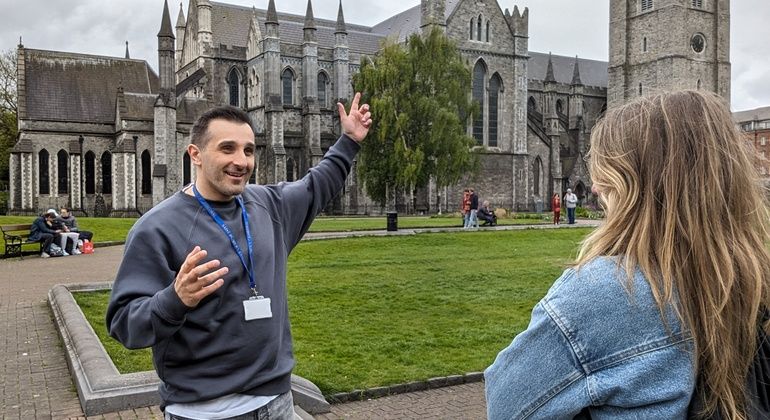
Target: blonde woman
664, 305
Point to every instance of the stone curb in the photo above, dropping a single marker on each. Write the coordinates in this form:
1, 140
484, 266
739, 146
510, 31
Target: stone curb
383, 391
101, 388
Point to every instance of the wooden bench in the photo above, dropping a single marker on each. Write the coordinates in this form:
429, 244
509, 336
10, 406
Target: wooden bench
15, 237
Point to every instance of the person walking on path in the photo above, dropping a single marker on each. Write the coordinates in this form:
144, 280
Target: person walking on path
571, 199
473, 208
203, 277
665, 314
556, 207
465, 207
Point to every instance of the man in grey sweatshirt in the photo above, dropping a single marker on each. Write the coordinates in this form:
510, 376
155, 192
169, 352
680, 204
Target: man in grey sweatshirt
203, 277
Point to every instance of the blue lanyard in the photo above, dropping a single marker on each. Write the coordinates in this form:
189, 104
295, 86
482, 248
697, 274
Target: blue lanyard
230, 235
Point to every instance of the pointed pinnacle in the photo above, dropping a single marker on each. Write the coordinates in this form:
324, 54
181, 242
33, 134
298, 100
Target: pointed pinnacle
165, 24
309, 20
576, 73
272, 16
341, 27
180, 20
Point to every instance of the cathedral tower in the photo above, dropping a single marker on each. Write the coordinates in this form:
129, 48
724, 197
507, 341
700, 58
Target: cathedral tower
311, 118
276, 152
662, 45
165, 174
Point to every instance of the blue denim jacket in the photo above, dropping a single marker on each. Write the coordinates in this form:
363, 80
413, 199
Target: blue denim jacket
595, 340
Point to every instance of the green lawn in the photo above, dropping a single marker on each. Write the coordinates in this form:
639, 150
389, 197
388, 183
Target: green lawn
115, 229
370, 312
345, 224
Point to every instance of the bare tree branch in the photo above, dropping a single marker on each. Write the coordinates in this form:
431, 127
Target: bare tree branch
8, 99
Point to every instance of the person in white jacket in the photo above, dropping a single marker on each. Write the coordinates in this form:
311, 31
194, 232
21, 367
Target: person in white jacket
571, 200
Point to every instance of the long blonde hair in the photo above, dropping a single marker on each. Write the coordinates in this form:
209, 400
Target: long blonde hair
685, 205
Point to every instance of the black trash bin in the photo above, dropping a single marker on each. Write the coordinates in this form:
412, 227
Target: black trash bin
392, 221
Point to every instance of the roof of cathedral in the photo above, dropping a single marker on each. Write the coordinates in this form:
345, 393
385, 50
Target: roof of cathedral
79, 87
592, 72
141, 106
758, 114
408, 21
230, 26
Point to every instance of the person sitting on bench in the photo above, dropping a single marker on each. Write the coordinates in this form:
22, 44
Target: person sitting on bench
42, 231
488, 216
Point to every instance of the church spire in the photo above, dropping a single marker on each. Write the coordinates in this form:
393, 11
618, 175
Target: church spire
549, 77
180, 20
576, 73
272, 16
309, 20
127, 54
341, 28
165, 24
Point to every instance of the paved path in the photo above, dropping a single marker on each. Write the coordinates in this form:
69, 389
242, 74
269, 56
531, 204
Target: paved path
35, 380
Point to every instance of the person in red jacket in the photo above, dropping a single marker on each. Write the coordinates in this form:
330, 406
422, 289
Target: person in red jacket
556, 206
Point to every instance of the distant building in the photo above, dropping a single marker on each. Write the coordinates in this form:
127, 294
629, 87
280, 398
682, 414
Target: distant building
106, 135
664, 45
755, 124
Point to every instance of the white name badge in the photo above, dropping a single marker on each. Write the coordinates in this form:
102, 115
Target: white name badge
257, 308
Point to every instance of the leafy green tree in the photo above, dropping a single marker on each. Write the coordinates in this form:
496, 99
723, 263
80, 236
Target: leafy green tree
419, 94
8, 102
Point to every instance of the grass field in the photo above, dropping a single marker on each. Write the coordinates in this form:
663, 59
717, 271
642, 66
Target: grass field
370, 312
115, 229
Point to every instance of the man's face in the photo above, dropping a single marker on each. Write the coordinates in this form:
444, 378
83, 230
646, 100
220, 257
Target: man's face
64, 213
226, 162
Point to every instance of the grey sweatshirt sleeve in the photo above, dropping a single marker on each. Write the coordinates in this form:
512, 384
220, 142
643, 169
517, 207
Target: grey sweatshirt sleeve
144, 308
301, 201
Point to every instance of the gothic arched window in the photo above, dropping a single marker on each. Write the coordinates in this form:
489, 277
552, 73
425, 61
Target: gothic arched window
323, 81
62, 172
640, 89
478, 29
487, 32
479, 75
495, 87
531, 104
186, 169
290, 166
234, 87
473, 26
90, 173
537, 175
559, 107
255, 94
106, 173
146, 173
43, 172
287, 83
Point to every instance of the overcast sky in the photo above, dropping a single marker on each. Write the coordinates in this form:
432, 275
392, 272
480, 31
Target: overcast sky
565, 27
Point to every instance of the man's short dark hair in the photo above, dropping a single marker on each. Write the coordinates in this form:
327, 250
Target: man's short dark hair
63, 208
200, 136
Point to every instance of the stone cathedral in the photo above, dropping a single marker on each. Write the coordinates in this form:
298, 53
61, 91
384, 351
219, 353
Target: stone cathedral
108, 136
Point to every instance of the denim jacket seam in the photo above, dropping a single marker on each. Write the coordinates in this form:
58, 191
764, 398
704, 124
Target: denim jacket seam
554, 391
633, 352
576, 350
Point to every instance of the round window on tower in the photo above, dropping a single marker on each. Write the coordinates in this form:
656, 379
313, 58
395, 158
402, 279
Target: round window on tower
698, 43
